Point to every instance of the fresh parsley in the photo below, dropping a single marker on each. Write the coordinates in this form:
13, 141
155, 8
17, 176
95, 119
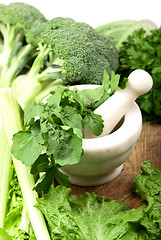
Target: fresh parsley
143, 51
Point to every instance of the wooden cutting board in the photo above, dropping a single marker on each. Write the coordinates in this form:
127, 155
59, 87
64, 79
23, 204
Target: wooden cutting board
148, 147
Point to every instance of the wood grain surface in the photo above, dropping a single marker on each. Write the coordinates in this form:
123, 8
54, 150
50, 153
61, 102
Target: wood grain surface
148, 147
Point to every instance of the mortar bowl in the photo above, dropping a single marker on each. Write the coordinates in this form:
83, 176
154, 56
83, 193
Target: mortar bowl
103, 157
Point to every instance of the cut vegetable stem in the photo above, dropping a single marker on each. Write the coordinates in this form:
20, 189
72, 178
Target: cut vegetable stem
5, 160
11, 118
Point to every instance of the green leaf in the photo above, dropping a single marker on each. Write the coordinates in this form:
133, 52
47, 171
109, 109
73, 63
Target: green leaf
93, 94
44, 182
148, 186
55, 99
61, 178
70, 117
114, 83
87, 217
40, 165
78, 132
32, 111
66, 147
95, 122
79, 98
26, 148
36, 132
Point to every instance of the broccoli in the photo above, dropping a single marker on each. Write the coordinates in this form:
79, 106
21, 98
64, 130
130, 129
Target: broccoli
70, 52
15, 52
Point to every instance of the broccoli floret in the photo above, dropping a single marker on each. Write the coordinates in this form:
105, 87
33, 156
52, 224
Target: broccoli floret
84, 53
69, 52
15, 20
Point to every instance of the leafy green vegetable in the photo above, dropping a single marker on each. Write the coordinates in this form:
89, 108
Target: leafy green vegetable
89, 217
93, 217
148, 186
142, 51
56, 126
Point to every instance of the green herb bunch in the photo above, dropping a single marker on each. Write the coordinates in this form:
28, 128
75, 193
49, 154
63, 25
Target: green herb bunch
54, 130
143, 51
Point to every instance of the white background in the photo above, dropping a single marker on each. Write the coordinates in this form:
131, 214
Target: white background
98, 12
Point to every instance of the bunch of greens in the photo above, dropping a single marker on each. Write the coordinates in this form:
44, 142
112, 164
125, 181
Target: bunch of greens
93, 217
57, 126
142, 51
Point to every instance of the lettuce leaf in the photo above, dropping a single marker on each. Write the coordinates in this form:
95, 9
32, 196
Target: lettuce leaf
92, 217
87, 217
148, 186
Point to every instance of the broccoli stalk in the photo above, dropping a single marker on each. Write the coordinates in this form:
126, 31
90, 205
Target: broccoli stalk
12, 123
38, 81
15, 52
13, 55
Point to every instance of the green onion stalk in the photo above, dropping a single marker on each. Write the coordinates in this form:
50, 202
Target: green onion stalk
10, 113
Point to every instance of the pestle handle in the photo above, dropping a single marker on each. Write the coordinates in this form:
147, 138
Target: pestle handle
139, 83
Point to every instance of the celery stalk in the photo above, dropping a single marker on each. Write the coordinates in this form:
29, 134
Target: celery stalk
5, 160
12, 122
